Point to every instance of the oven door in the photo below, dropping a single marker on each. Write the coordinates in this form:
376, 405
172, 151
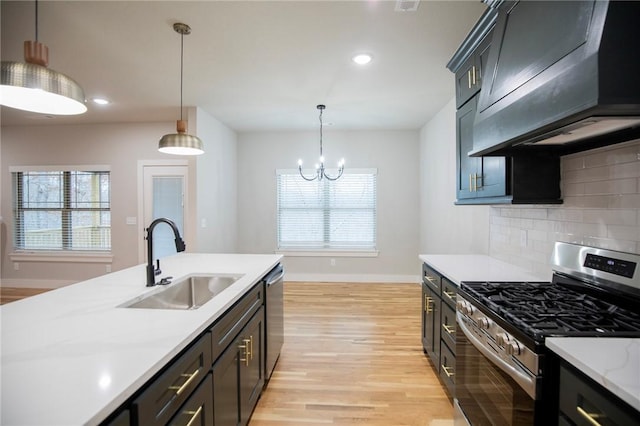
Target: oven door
484, 392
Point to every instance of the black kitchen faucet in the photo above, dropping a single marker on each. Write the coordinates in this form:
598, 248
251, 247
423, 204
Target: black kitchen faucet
152, 270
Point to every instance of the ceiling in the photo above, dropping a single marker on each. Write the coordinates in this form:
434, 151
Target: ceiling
254, 65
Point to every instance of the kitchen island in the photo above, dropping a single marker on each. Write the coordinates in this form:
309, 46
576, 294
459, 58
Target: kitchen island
75, 355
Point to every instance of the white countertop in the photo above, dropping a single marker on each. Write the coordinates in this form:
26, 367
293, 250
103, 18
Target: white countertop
71, 356
477, 267
612, 362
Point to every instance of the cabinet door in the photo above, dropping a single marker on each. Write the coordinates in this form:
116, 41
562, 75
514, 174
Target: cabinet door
468, 167
431, 324
226, 388
251, 365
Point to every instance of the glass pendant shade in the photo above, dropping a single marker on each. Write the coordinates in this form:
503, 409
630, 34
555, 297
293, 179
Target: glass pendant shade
181, 143
31, 86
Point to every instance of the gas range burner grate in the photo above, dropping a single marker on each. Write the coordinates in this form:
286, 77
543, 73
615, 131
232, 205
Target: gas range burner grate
542, 309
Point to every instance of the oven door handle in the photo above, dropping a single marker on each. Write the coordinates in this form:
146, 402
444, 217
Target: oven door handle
527, 383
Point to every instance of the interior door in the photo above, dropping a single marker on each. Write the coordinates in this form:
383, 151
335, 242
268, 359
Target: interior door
164, 193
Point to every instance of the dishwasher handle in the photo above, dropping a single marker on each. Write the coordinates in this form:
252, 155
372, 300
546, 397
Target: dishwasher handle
275, 275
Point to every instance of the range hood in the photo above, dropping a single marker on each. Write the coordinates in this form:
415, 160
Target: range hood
561, 77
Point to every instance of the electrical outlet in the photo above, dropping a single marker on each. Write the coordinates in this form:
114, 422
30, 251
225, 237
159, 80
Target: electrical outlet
107, 268
16, 266
333, 262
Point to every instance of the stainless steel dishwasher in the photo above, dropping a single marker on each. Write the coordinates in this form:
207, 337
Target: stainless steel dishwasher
274, 298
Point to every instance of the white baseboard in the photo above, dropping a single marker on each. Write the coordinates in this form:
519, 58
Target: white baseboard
31, 283
352, 278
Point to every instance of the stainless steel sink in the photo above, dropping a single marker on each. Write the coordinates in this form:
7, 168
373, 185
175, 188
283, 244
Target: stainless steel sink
190, 292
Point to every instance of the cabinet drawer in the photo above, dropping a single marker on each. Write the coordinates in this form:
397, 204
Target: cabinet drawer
227, 328
431, 278
583, 401
448, 323
449, 291
447, 369
198, 410
160, 401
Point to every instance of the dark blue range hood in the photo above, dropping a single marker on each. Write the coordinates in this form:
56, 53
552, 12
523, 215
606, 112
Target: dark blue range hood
562, 76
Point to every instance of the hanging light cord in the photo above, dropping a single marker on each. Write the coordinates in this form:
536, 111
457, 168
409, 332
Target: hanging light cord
321, 110
36, 20
181, 69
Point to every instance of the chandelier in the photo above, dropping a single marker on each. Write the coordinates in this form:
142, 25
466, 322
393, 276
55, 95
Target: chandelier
320, 170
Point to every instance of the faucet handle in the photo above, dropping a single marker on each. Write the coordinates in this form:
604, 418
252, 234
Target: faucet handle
157, 270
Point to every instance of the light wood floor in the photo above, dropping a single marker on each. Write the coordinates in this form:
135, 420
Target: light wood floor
10, 294
352, 356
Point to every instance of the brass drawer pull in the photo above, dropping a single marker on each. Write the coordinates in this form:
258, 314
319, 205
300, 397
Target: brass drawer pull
588, 416
449, 329
190, 379
251, 346
451, 295
447, 371
427, 304
245, 356
194, 415
430, 278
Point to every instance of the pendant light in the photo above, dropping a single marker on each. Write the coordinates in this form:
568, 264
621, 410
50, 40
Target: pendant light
320, 170
181, 143
31, 86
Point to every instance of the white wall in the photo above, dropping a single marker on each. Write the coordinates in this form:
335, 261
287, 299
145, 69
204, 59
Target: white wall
216, 186
444, 227
393, 153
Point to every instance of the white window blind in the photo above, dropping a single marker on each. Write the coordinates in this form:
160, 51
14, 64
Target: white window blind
60, 210
326, 214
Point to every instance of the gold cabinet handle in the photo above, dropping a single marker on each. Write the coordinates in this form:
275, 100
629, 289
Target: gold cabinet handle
470, 183
190, 379
246, 353
451, 295
427, 304
194, 415
251, 347
473, 71
469, 78
429, 278
588, 416
449, 329
447, 370
481, 184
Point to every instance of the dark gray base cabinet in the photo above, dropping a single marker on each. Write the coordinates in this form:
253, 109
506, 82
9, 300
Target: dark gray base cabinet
439, 325
216, 381
238, 375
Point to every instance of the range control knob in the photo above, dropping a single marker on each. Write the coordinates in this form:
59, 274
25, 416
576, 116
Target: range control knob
502, 339
482, 323
461, 305
513, 348
469, 309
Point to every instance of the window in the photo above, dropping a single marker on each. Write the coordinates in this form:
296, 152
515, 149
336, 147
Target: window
62, 210
327, 215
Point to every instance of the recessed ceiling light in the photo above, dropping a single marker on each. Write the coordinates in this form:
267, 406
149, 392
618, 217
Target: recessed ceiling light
101, 101
362, 58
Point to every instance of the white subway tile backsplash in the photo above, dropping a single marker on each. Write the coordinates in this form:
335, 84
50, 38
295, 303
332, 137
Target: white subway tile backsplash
601, 192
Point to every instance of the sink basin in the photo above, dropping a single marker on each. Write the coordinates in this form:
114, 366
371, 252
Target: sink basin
190, 292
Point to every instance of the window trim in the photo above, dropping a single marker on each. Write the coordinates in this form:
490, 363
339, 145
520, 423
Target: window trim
62, 255
327, 252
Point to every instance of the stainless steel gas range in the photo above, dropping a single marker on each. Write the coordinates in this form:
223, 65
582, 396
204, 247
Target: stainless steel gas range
504, 373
